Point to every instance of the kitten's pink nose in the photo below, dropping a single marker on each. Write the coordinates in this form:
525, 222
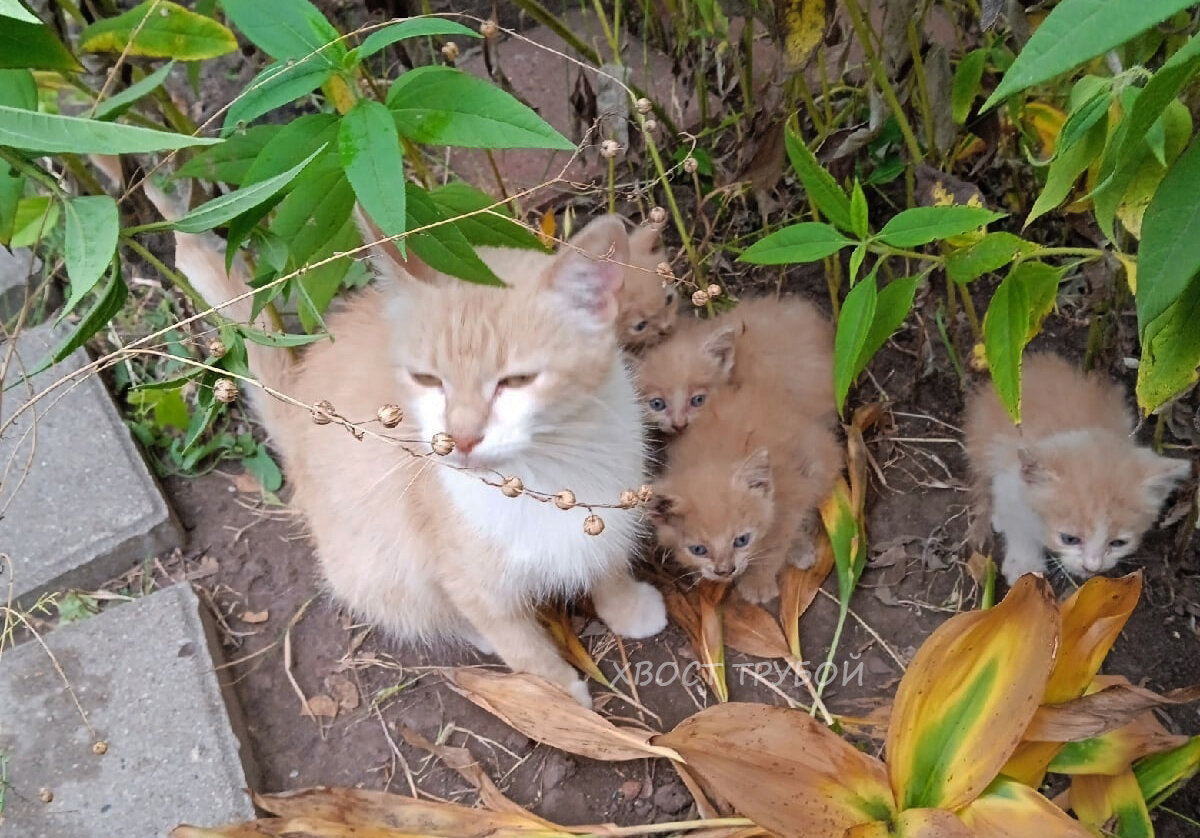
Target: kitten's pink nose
1093, 563
466, 442
678, 425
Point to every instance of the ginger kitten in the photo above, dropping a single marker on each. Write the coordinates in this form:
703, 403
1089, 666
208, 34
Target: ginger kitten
782, 343
648, 307
741, 488
1070, 481
530, 382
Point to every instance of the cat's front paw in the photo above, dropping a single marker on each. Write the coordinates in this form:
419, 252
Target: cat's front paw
757, 589
579, 691
639, 612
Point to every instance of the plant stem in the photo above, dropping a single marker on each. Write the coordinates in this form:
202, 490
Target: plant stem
30, 169
179, 279
914, 46
676, 215
972, 317
843, 612
655, 828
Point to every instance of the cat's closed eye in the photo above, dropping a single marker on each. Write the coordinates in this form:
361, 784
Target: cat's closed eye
512, 382
424, 379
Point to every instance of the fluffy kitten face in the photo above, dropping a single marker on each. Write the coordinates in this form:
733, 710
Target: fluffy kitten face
648, 309
676, 378
1096, 495
503, 369
714, 523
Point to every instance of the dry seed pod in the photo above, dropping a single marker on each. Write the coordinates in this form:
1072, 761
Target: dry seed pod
644, 106
658, 216
100, 748
216, 348
645, 493
225, 391
565, 499
390, 415
45, 795
609, 149
442, 443
714, 291
488, 29
450, 51
629, 499
690, 165
663, 269
593, 525
651, 125
322, 412
700, 298
512, 486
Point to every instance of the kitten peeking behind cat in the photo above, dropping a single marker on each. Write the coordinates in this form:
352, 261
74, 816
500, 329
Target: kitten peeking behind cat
648, 308
529, 381
1070, 482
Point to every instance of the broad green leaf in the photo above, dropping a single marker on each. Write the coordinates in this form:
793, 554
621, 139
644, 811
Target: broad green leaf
53, 134
1008, 808
276, 86
167, 404
1170, 351
819, 185
1041, 288
18, 89
318, 286
412, 28
921, 225
1161, 775
221, 209
276, 339
97, 318
1013, 317
232, 160
494, 228
12, 185
1111, 805
808, 241
1169, 255
34, 218
966, 84
93, 225
164, 30
853, 327
967, 697
992, 252
33, 46
1160, 91
857, 255
369, 148
858, 211
445, 106
1075, 31
891, 307
315, 209
291, 30
443, 248
243, 226
14, 9
292, 143
1083, 116
114, 106
847, 539
262, 466
1066, 168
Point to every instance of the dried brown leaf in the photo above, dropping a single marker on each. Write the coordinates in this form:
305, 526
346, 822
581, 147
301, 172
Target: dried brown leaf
750, 629
255, 617
320, 705
344, 692
712, 637
546, 713
1102, 711
797, 590
558, 624
249, 829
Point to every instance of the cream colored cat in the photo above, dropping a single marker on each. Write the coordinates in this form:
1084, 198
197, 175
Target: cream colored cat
1070, 482
739, 495
648, 308
783, 343
529, 381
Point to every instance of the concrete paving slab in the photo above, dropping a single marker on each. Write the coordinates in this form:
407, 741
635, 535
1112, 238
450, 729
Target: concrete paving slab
143, 673
14, 280
77, 502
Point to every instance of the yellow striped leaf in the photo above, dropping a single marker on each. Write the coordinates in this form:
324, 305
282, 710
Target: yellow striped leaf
1009, 808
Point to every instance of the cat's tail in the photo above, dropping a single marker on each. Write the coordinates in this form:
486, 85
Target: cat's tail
201, 258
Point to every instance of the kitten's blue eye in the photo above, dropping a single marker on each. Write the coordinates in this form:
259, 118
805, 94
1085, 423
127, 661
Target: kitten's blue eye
698, 400
1070, 540
742, 540
1118, 542
670, 297
658, 405
697, 549
641, 325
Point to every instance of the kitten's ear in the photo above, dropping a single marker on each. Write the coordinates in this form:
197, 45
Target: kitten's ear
386, 256
1162, 475
663, 507
1032, 470
719, 347
755, 473
643, 240
590, 270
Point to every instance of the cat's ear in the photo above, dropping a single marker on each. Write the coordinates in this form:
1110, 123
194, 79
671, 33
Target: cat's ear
1161, 475
754, 473
663, 507
590, 269
719, 347
644, 239
386, 256
1033, 472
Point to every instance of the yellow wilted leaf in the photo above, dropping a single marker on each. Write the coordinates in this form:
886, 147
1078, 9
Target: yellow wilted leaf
1115, 751
547, 229
698, 613
968, 696
915, 823
1010, 808
797, 590
782, 769
339, 93
558, 623
1129, 263
1046, 121
1097, 798
802, 23
751, 630
250, 829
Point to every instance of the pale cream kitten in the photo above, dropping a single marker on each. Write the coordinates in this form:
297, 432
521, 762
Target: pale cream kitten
648, 308
741, 488
530, 382
1071, 481
784, 343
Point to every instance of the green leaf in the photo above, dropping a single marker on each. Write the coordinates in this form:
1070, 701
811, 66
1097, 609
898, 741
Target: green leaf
1075, 31
857, 255
32, 46
444, 247
1161, 775
921, 225
808, 241
1158, 93
1040, 282
965, 88
276, 86
315, 210
369, 148
891, 308
1170, 351
231, 161
1066, 168
291, 30
18, 89
12, 186
819, 185
34, 218
1082, 117
318, 286
97, 318
262, 466
1169, 255
276, 339
858, 211
494, 228
13, 9
1013, 317
114, 106
445, 106
164, 30
75, 606
219, 210
412, 28
167, 404
93, 225
854, 324
53, 134
992, 252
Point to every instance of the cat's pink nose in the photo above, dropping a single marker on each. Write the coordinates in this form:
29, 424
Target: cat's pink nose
466, 442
